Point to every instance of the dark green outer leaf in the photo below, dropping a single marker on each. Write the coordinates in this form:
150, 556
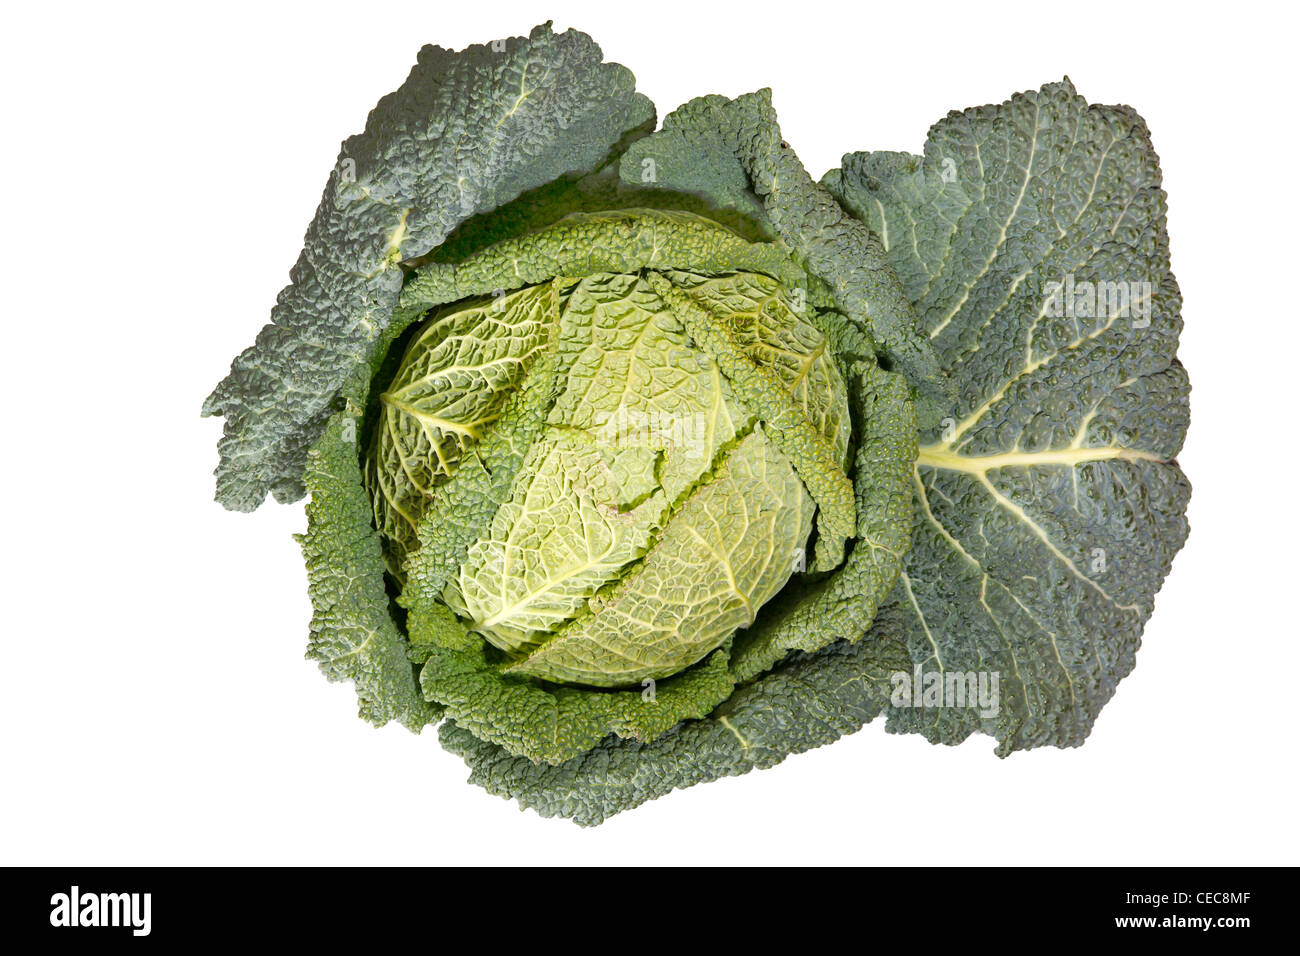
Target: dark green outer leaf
809, 702
1049, 506
352, 631
552, 724
466, 133
694, 152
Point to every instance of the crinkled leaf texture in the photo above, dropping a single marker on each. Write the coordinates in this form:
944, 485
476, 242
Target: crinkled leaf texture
467, 132
1031, 239
1025, 531
811, 701
545, 724
1048, 503
731, 152
353, 635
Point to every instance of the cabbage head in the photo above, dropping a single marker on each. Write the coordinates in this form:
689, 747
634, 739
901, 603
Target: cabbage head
637, 457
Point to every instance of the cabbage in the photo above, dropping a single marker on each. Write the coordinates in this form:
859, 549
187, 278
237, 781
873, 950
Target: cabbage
639, 458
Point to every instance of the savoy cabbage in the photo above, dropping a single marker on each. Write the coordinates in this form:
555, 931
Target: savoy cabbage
638, 457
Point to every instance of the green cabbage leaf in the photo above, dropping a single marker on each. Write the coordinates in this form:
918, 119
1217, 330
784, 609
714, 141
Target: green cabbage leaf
1031, 239
466, 133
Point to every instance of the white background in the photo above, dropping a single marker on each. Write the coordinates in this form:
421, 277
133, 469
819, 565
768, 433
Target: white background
159, 170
